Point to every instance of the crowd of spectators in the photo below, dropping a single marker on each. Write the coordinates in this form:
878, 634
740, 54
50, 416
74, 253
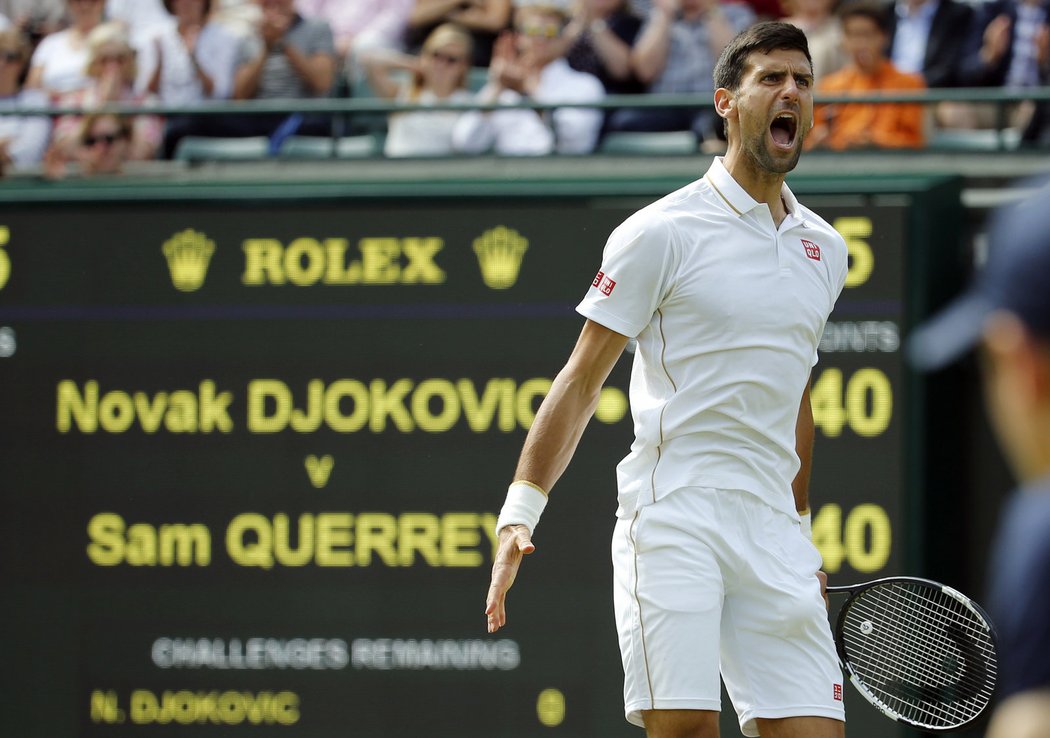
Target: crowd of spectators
82, 54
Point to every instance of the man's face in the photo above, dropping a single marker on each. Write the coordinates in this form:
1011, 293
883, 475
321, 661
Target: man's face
773, 108
539, 35
863, 41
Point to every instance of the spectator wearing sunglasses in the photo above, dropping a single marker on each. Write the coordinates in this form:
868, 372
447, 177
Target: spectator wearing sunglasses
485, 19
101, 146
529, 65
23, 139
438, 74
58, 63
111, 69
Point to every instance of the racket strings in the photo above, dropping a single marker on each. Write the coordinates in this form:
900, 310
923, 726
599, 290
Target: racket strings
921, 652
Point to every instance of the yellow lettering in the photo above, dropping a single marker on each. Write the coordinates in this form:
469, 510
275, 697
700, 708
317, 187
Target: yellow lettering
106, 531
184, 545
334, 537
249, 540
460, 531
418, 532
310, 421
448, 400
333, 408
304, 262
262, 264
74, 406
390, 402
376, 532
264, 393
421, 267
282, 547
378, 260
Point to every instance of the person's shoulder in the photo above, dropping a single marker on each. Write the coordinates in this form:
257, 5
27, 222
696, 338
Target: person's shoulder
50, 44
815, 221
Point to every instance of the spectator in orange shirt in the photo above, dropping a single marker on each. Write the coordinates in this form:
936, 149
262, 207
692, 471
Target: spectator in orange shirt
867, 125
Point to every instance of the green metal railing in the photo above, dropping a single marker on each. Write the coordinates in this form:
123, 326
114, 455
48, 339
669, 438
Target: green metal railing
370, 107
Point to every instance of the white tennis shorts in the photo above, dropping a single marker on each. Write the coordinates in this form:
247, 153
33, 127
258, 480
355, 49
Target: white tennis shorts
710, 581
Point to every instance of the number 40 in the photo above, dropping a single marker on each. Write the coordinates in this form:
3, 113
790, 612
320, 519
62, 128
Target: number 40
863, 541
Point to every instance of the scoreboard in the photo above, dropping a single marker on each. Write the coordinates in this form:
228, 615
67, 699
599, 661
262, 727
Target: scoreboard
253, 452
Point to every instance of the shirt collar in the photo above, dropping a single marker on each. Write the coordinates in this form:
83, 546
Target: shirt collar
736, 197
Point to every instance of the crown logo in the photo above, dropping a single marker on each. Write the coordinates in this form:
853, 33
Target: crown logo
500, 252
188, 254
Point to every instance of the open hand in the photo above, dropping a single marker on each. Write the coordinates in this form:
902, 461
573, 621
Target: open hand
514, 544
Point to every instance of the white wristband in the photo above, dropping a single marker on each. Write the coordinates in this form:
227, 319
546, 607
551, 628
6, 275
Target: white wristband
807, 524
523, 506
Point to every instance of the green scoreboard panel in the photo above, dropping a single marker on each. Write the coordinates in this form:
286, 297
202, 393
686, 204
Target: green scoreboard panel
253, 453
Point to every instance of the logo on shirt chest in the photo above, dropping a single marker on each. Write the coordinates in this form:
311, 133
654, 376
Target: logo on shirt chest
603, 283
812, 250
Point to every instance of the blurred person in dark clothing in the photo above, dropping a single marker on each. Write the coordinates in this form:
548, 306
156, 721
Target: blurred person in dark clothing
1007, 314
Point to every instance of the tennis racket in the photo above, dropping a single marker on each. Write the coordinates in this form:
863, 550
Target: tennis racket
920, 652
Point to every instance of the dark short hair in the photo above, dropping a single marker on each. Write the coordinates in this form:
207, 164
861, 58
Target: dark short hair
169, 3
873, 10
763, 38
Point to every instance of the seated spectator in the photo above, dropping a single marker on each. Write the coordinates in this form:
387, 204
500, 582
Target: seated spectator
362, 25
928, 37
59, 61
600, 36
823, 31
35, 18
1009, 47
111, 68
193, 61
676, 53
292, 58
529, 65
438, 74
102, 145
485, 19
867, 125
23, 139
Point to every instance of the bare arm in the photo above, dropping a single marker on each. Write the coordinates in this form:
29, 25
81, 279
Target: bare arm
804, 435
246, 78
550, 445
380, 63
426, 12
316, 70
568, 407
491, 16
649, 55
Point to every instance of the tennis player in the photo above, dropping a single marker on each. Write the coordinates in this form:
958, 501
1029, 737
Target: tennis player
726, 285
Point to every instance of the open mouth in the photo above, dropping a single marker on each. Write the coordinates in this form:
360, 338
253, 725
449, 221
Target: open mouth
783, 130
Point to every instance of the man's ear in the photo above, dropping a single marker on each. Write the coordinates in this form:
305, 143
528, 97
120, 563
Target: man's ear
725, 103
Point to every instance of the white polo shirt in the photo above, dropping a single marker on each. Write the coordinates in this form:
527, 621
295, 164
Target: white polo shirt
727, 311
